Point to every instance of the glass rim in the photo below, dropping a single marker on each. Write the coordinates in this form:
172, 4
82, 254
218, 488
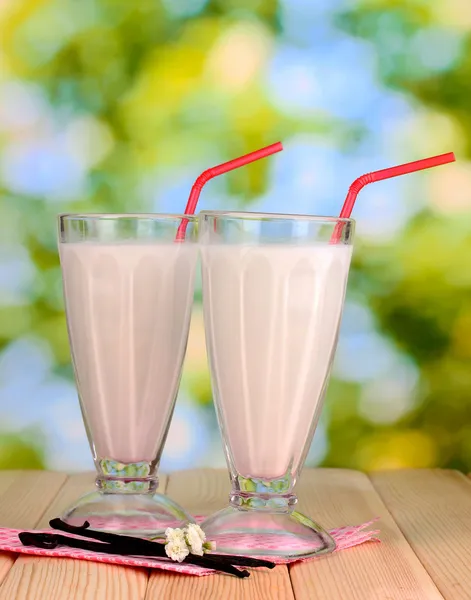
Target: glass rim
254, 216
117, 216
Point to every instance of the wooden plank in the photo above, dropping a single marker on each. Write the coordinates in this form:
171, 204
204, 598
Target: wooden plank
6, 480
201, 492
6, 559
385, 571
433, 510
261, 585
38, 578
6, 562
24, 496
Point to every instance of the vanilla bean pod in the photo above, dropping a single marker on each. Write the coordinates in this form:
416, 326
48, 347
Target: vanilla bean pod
127, 540
52, 540
112, 538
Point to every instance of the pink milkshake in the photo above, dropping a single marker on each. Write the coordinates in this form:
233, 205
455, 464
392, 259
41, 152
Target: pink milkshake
128, 288
272, 315
273, 294
128, 309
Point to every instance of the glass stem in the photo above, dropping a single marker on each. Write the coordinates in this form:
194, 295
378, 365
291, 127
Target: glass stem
278, 503
121, 485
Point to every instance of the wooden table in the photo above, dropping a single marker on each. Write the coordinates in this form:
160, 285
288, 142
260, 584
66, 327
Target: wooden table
425, 531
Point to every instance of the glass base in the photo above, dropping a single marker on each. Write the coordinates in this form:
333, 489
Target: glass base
140, 515
265, 533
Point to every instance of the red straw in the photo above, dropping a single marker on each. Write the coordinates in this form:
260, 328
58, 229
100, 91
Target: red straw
219, 170
359, 184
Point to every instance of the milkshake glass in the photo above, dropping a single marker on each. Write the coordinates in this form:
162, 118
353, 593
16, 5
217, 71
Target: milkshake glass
273, 295
128, 289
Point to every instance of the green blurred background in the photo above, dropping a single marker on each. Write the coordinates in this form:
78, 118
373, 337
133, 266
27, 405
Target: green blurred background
117, 105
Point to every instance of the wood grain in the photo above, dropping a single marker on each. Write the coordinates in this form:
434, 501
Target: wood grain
39, 578
433, 510
74, 486
24, 496
429, 560
200, 491
267, 585
204, 491
373, 571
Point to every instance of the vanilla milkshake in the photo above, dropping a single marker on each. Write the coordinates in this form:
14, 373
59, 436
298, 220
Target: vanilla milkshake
128, 308
272, 314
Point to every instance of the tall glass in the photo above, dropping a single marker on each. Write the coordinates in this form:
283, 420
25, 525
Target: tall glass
128, 288
273, 294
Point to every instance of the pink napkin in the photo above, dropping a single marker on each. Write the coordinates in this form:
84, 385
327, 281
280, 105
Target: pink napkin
345, 537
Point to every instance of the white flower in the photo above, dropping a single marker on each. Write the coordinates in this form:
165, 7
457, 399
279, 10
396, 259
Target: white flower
196, 529
176, 547
180, 542
174, 534
195, 537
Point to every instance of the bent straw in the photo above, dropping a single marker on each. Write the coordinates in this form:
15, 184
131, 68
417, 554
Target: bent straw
360, 182
230, 165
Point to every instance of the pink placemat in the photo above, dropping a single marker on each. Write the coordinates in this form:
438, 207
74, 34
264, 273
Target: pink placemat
345, 537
